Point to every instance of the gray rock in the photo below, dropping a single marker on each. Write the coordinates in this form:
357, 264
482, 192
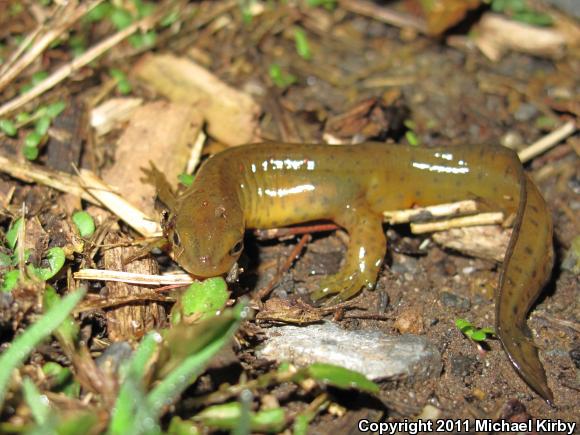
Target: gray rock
571, 7
455, 301
373, 353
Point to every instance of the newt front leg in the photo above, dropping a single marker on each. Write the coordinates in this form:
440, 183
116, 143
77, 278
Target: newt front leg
364, 256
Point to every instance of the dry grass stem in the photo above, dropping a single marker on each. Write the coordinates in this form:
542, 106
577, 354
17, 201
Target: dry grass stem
36, 174
435, 211
132, 216
464, 221
49, 32
133, 278
66, 70
196, 150
547, 142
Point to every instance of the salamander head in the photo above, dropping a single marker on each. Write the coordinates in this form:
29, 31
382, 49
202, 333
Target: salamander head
207, 235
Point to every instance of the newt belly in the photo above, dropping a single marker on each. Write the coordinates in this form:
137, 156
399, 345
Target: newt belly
273, 185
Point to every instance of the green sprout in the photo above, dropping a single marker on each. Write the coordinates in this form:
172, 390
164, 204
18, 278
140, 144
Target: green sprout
302, 45
280, 78
473, 333
84, 223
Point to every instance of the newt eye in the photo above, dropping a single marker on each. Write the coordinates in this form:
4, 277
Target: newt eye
237, 249
176, 239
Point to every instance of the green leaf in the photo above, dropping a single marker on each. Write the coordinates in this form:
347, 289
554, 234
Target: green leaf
217, 332
177, 426
478, 335
341, 377
10, 280
39, 407
8, 127
169, 19
227, 416
38, 77
12, 234
57, 375
205, 297
412, 138
55, 109
23, 345
56, 258
144, 9
68, 331
121, 18
302, 45
186, 179
31, 153
32, 139
42, 125
84, 223
5, 260
463, 324
279, 78
99, 12
23, 117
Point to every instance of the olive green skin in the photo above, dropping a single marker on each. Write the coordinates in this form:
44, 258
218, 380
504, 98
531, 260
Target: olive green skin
275, 184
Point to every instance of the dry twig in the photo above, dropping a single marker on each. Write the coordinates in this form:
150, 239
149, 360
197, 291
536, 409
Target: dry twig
66, 70
64, 17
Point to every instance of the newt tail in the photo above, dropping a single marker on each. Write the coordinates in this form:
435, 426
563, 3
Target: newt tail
519, 287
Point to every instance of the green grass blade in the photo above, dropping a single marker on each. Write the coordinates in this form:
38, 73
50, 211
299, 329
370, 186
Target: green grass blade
24, 344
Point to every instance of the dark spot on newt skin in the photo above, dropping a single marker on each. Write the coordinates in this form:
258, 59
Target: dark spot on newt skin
514, 310
517, 268
418, 193
401, 178
480, 175
534, 274
534, 208
528, 250
534, 222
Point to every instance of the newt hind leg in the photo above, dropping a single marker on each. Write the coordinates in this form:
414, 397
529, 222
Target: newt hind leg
364, 256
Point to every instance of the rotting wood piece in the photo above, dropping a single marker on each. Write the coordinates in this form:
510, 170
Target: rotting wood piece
135, 319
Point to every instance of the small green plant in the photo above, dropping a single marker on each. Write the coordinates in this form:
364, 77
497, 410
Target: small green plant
279, 77
326, 4
122, 18
123, 84
519, 10
186, 179
36, 126
473, 333
302, 45
84, 223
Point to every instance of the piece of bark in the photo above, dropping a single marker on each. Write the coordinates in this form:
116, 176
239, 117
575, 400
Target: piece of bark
231, 115
497, 34
486, 241
65, 144
113, 112
132, 320
160, 132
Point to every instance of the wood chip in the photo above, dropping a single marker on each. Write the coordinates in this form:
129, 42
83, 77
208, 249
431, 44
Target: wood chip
161, 131
132, 320
231, 115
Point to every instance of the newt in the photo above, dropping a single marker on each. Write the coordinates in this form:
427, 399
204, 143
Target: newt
275, 184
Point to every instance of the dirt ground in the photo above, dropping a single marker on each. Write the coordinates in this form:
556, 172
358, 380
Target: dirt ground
364, 80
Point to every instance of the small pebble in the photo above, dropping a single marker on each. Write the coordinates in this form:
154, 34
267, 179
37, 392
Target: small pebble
455, 301
462, 366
